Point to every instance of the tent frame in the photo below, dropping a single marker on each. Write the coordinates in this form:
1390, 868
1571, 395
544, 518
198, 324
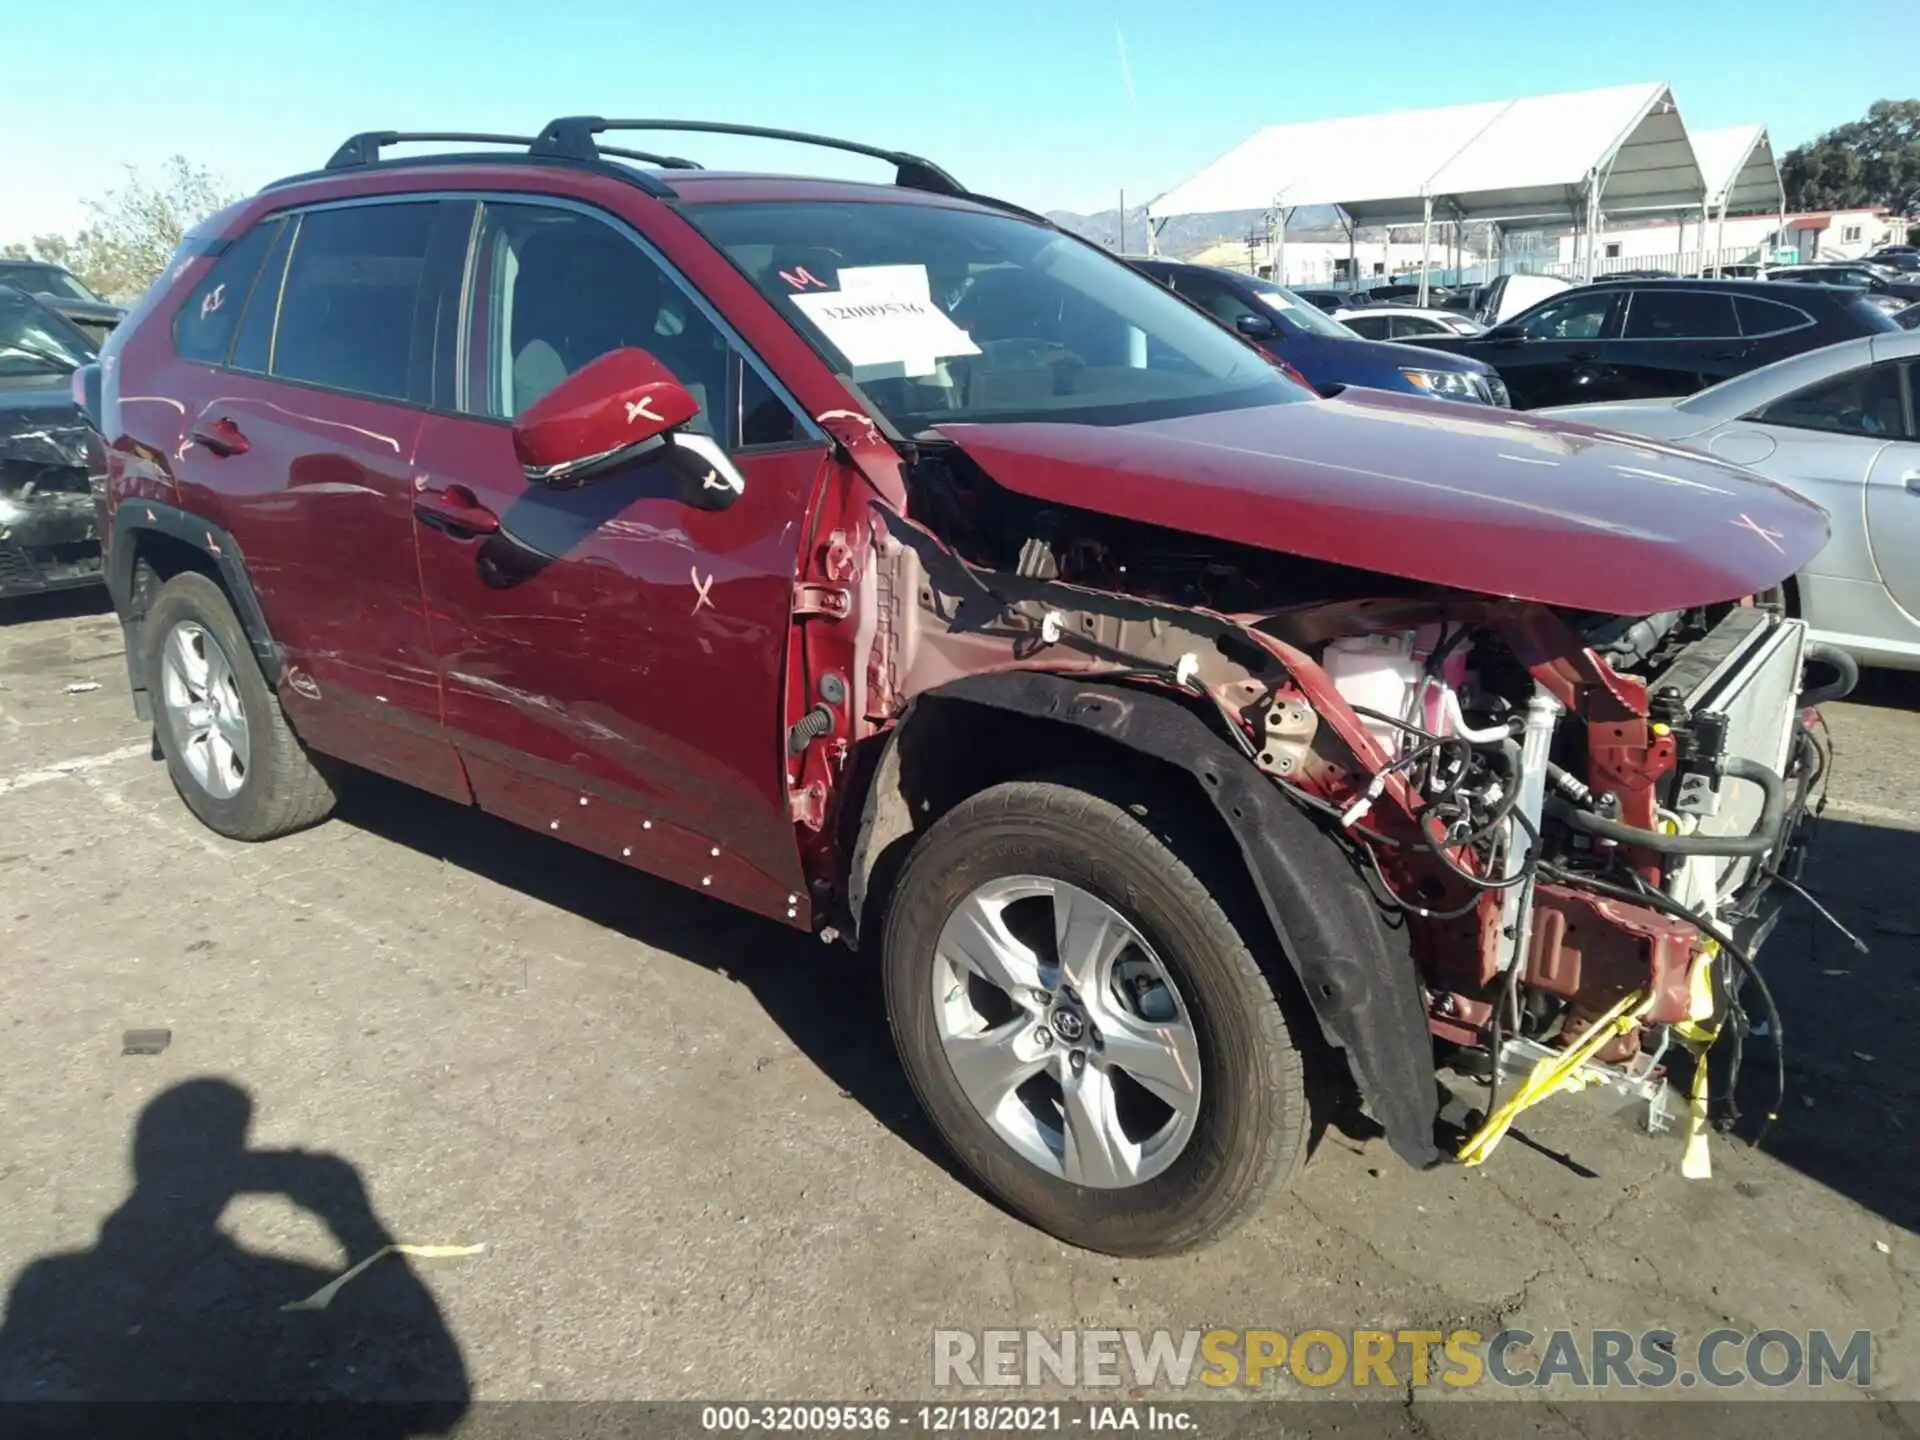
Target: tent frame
1471, 142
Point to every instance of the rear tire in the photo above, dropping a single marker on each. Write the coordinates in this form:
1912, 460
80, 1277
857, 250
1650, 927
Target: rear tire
229, 750
1082, 857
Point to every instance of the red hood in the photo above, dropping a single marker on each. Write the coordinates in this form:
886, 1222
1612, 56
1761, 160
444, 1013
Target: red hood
1476, 499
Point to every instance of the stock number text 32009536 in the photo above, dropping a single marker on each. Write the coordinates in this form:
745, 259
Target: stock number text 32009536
961, 1418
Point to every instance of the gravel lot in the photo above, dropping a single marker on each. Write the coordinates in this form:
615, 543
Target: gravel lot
682, 1138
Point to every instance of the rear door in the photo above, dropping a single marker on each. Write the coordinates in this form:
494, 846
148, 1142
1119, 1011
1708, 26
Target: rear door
301, 442
1775, 329
1674, 341
613, 657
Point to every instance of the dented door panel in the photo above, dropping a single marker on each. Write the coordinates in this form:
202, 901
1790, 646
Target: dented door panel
613, 646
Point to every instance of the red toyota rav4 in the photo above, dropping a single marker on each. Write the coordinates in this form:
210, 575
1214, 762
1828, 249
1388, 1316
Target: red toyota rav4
886, 561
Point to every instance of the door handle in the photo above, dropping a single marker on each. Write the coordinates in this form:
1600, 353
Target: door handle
221, 436
454, 509
1912, 481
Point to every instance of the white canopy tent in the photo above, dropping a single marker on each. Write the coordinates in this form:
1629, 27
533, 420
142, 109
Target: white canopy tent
1562, 157
1741, 175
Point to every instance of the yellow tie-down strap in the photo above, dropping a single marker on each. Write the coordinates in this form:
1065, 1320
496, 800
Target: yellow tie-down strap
1559, 1072
1698, 1032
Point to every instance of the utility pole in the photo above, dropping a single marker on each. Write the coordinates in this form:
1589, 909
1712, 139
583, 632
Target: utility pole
1123, 221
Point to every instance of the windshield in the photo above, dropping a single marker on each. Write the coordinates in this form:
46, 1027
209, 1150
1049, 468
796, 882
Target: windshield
45, 280
939, 314
35, 341
1294, 314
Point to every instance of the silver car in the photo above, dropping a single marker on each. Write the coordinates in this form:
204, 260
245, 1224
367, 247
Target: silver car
1841, 426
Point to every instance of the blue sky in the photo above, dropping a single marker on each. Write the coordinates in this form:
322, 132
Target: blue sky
1027, 99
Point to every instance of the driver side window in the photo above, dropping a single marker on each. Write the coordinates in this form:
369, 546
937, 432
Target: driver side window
555, 289
1576, 317
1217, 299
1863, 402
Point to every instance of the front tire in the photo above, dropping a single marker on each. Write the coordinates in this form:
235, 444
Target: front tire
1084, 1023
229, 750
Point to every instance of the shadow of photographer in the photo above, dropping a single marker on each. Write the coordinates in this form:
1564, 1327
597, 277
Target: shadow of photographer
167, 1307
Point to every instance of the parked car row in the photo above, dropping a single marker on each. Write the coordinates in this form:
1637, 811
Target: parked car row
1316, 349
1633, 339
1440, 297
892, 563
1403, 322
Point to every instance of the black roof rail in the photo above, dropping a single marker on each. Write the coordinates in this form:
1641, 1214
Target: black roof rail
365, 148
665, 162
573, 137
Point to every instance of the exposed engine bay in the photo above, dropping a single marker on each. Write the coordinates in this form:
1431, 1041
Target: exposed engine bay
1581, 817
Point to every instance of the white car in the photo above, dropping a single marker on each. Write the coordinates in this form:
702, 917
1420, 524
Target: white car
1397, 322
1506, 296
1839, 426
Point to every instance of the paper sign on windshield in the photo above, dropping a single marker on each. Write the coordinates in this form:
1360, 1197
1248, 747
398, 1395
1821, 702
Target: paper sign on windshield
884, 315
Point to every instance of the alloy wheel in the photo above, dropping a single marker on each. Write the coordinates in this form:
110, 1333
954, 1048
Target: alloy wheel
1066, 1032
208, 718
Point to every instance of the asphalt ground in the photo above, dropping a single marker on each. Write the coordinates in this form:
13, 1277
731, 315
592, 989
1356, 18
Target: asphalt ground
683, 1140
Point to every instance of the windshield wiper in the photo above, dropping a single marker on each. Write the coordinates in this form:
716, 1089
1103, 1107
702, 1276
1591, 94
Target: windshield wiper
60, 362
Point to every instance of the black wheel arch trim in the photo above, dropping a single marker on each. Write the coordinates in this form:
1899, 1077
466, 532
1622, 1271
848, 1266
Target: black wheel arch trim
1352, 960
133, 518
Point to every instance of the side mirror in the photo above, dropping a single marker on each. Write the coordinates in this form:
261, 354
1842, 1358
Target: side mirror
1505, 334
609, 405
86, 393
1255, 327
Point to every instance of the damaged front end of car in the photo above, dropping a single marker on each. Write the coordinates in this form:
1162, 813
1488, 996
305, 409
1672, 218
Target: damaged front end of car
49, 538
1509, 824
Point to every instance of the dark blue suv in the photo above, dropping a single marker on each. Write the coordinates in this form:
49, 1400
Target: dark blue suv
1321, 351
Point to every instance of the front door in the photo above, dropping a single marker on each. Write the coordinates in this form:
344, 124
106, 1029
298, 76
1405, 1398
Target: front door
613, 658
1552, 355
1893, 501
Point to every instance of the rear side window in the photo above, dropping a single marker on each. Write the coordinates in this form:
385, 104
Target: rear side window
1767, 317
1680, 315
204, 328
253, 340
1862, 402
1368, 327
348, 305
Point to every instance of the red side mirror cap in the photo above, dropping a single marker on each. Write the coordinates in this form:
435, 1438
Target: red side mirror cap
619, 400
